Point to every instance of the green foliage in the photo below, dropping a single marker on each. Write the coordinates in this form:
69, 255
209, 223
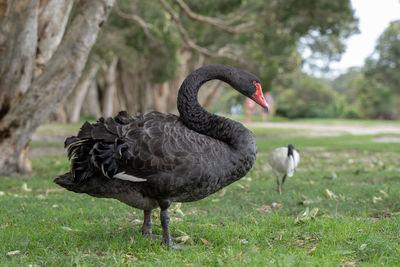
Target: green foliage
268, 48
214, 8
344, 84
374, 100
373, 92
154, 53
309, 98
381, 82
227, 99
246, 224
384, 64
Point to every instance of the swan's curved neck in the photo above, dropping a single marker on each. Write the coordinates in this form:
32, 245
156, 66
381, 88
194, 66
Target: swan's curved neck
195, 117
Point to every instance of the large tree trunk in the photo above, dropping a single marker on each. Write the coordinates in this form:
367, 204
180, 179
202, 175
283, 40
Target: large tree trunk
80, 94
109, 92
213, 92
92, 101
34, 82
160, 96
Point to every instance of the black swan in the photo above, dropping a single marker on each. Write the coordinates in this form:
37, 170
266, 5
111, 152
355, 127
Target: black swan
154, 159
283, 161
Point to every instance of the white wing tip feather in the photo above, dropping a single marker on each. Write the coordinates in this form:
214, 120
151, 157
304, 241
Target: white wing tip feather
127, 177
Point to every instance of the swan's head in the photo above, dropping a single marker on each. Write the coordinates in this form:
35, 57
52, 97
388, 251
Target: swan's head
249, 85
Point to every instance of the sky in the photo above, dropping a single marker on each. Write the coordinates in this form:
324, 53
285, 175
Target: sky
374, 17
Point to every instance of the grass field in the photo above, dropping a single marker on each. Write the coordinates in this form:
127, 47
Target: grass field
342, 207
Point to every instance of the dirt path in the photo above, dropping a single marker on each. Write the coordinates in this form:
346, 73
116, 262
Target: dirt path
331, 129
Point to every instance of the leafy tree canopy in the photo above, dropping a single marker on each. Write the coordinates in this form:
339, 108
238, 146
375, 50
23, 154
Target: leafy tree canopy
146, 35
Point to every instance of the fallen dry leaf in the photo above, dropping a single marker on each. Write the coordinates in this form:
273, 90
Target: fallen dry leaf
240, 186
312, 249
131, 240
176, 219
205, 242
177, 209
349, 263
383, 193
66, 228
306, 215
277, 205
14, 252
182, 239
185, 238
25, 188
330, 194
264, 208
40, 196
376, 199
223, 192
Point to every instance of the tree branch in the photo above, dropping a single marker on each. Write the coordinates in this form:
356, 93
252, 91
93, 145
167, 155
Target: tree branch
190, 43
143, 24
241, 28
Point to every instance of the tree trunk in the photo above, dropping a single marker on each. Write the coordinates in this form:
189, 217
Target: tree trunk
26, 99
160, 96
110, 88
215, 87
175, 83
130, 90
80, 94
92, 101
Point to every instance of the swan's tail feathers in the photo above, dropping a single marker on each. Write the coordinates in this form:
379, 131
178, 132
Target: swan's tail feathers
102, 157
98, 147
123, 118
67, 181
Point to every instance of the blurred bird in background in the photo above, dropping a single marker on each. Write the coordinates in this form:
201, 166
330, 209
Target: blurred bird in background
283, 161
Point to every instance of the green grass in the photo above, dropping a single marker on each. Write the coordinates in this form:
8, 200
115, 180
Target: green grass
353, 181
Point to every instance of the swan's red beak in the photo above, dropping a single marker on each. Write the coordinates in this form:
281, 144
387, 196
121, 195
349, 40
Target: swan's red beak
258, 96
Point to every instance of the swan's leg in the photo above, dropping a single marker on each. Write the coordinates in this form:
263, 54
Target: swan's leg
146, 229
166, 236
164, 217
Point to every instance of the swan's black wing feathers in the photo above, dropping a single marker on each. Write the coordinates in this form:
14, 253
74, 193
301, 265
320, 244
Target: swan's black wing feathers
150, 146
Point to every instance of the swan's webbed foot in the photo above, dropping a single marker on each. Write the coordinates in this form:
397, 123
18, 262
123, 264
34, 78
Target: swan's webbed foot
146, 230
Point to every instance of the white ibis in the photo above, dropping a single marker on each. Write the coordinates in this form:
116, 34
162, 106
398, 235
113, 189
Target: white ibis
283, 161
